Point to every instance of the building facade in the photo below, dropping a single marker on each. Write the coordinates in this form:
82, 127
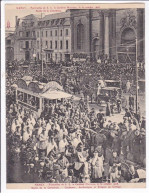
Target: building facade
81, 34
25, 37
9, 43
53, 34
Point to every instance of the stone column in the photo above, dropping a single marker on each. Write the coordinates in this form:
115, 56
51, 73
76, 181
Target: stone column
90, 32
101, 32
106, 38
72, 33
112, 33
140, 32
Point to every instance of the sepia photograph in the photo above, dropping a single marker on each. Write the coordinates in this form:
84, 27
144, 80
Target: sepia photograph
75, 95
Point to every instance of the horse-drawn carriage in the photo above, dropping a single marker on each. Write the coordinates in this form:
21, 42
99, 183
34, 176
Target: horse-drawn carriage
110, 91
111, 95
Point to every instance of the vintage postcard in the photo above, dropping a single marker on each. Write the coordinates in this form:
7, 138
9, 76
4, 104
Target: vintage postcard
75, 95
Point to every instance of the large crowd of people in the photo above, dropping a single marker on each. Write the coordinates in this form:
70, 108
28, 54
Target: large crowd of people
71, 142
77, 76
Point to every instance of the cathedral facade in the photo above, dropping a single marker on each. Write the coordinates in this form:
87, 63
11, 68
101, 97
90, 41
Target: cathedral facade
112, 32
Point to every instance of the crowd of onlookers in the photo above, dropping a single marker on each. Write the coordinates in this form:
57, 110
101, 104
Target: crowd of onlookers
78, 76
71, 142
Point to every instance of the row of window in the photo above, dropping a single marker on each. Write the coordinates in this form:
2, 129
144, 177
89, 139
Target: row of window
27, 34
26, 44
51, 33
27, 24
49, 56
43, 33
80, 38
50, 45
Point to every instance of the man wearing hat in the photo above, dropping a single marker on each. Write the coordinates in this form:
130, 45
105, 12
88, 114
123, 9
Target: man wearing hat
118, 102
100, 118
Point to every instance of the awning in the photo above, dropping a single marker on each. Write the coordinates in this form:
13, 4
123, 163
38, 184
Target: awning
55, 95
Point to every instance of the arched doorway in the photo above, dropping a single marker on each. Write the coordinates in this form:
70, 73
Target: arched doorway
127, 49
96, 48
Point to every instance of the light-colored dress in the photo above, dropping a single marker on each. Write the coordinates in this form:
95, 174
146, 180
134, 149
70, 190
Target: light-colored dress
97, 164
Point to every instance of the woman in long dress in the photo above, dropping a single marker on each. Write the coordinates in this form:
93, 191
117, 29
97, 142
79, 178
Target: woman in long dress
97, 167
108, 109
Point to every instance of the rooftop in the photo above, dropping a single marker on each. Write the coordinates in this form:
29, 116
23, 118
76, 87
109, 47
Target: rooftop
56, 16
